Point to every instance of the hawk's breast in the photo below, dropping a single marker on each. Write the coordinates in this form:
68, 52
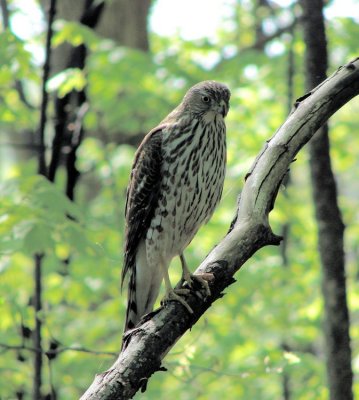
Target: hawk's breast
192, 181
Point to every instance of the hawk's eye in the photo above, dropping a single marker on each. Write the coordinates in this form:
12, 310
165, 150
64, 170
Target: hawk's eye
205, 99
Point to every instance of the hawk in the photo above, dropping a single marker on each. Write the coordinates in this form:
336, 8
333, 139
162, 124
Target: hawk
176, 183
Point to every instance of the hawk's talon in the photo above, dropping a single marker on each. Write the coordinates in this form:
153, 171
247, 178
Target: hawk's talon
203, 282
202, 279
189, 278
183, 291
174, 295
199, 295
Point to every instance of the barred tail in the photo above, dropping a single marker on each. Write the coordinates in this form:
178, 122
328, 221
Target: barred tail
131, 312
143, 288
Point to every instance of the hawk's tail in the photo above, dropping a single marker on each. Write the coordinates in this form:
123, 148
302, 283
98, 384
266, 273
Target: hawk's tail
143, 288
131, 312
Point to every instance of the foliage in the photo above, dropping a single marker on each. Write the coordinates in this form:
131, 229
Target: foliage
268, 327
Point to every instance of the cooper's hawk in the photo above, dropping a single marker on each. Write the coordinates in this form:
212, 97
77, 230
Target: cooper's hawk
176, 183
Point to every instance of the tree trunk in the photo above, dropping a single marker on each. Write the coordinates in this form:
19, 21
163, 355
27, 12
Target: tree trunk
329, 221
38, 258
124, 21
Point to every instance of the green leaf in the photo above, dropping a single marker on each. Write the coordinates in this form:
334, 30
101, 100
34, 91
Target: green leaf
74, 33
38, 239
66, 81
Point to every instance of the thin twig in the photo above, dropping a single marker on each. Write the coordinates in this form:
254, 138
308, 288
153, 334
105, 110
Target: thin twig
18, 347
79, 349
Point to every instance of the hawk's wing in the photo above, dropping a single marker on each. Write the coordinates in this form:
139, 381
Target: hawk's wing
142, 194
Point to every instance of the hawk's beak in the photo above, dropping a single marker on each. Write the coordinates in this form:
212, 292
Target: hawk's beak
223, 108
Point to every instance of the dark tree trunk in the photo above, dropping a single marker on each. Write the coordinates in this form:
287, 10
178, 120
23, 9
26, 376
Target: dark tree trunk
286, 376
124, 21
330, 225
42, 170
67, 108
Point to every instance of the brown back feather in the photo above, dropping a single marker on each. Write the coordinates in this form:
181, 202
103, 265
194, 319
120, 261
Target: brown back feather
142, 195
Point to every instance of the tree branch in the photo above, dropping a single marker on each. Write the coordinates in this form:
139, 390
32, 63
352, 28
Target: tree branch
55, 352
145, 346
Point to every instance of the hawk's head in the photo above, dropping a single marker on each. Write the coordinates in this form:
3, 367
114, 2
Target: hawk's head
207, 96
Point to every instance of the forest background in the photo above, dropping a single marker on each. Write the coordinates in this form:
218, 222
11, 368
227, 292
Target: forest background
112, 78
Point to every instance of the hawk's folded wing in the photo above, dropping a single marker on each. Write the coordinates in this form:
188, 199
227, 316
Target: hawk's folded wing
142, 194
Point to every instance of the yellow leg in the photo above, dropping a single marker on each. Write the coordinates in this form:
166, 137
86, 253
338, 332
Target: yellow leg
174, 294
188, 277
